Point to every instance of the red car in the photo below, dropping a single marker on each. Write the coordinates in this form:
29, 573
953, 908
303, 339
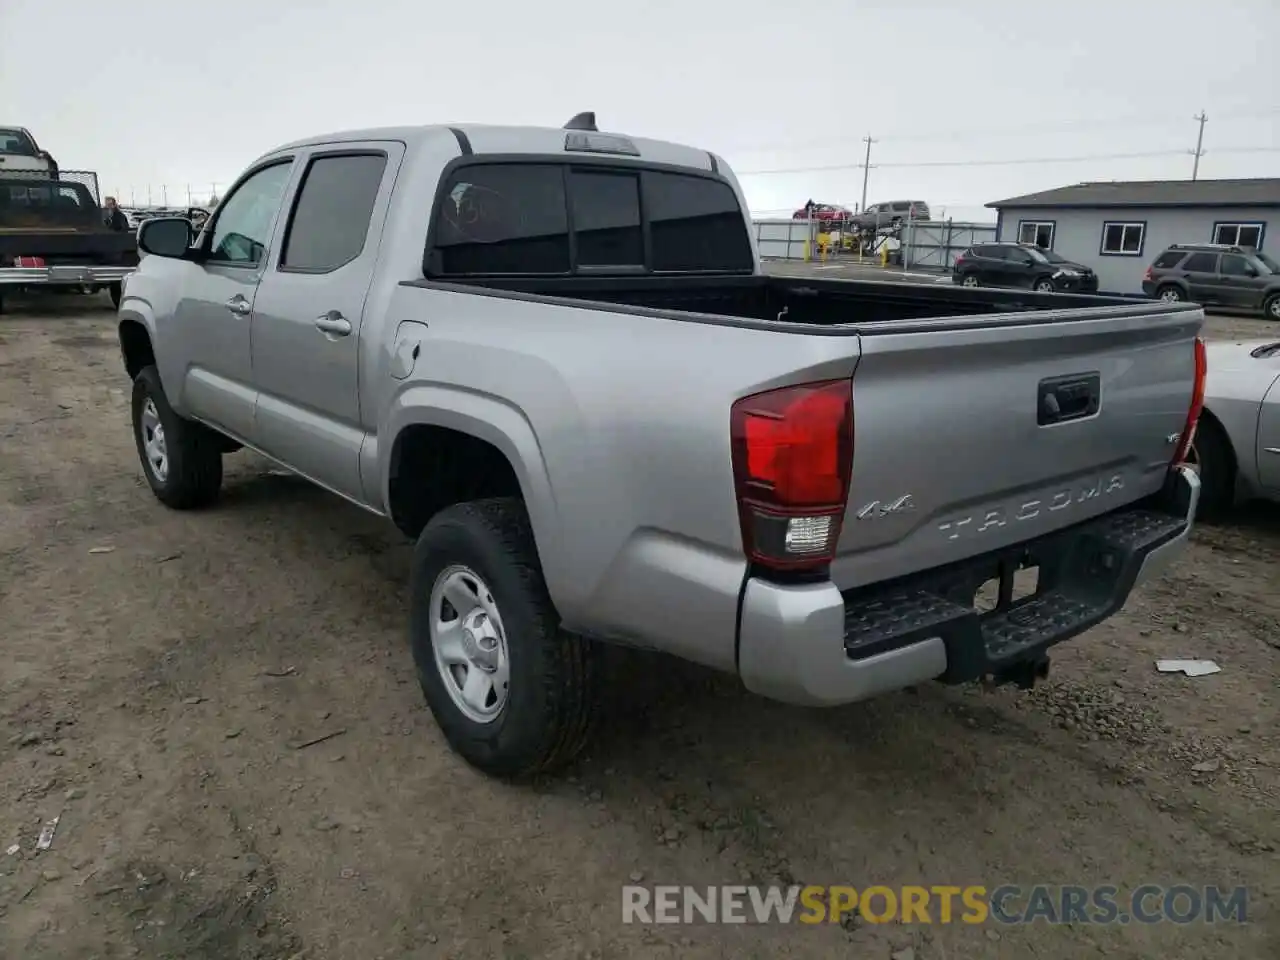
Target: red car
822, 211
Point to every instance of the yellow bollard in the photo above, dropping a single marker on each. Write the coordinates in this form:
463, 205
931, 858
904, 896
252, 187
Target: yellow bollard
884, 255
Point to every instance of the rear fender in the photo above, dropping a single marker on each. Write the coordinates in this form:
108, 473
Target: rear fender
505, 427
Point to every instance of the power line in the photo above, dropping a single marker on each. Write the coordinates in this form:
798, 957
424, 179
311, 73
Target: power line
1137, 121
1150, 154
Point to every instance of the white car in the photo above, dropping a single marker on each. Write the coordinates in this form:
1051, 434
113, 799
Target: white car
21, 156
1237, 445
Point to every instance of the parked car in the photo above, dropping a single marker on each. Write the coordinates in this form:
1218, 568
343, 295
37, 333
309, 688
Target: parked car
1237, 443
879, 215
21, 156
1021, 265
497, 338
1216, 274
822, 211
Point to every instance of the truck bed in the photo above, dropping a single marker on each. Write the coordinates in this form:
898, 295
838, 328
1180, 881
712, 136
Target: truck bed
799, 301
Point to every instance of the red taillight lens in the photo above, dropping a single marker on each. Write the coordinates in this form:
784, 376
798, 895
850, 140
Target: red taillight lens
792, 460
1188, 435
28, 261
1147, 276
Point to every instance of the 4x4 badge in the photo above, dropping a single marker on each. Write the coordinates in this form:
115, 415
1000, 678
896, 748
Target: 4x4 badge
877, 509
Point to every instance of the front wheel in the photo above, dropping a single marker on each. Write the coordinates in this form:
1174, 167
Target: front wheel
1044, 286
181, 459
116, 291
1212, 456
513, 692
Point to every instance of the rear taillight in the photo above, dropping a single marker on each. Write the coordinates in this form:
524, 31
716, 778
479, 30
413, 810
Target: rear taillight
1148, 275
28, 261
1188, 435
792, 460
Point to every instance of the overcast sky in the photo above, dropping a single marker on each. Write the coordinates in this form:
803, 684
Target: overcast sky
150, 92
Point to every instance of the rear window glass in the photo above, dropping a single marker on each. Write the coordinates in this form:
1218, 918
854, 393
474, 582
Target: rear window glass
1168, 259
65, 196
504, 218
696, 224
606, 218
516, 219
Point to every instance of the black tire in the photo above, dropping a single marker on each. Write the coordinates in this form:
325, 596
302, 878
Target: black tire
1216, 463
193, 475
1171, 293
1271, 307
116, 291
551, 702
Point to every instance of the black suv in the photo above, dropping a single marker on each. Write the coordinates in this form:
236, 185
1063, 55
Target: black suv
1021, 265
1216, 273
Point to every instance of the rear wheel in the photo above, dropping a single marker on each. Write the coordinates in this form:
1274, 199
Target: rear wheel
969, 280
1271, 309
1212, 456
1170, 294
513, 692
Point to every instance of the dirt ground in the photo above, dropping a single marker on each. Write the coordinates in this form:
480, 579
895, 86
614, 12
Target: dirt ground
161, 674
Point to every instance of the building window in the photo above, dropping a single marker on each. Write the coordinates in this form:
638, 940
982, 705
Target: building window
1239, 234
1123, 239
1038, 232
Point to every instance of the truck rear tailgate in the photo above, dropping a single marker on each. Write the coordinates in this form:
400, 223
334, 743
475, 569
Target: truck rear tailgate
976, 434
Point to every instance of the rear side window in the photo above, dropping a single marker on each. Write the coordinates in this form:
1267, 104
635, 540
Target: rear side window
606, 218
1168, 259
332, 213
1202, 263
515, 218
16, 142
696, 224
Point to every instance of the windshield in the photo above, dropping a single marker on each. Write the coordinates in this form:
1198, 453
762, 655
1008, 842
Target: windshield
1268, 262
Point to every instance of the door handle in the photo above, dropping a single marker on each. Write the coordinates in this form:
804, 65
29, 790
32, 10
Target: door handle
239, 305
334, 323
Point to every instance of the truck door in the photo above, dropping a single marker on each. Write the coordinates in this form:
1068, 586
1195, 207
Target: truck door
212, 322
308, 314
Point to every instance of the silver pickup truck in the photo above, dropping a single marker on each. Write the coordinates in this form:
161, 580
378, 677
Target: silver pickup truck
552, 358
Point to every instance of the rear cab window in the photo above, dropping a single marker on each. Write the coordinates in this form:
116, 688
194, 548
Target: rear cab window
16, 143
566, 218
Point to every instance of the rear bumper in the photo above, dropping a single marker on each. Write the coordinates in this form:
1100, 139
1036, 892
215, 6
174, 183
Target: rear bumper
815, 646
70, 275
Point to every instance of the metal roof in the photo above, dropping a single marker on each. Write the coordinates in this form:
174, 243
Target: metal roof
1258, 192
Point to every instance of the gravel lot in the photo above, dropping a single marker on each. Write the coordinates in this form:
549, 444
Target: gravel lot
162, 673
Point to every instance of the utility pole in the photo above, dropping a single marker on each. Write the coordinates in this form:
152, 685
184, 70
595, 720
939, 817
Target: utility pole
1203, 118
866, 171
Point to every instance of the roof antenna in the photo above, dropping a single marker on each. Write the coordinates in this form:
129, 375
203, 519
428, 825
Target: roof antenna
583, 121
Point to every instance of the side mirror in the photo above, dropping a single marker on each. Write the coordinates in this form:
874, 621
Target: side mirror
165, 237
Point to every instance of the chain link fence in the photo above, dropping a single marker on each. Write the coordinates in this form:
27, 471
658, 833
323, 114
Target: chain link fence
86, 178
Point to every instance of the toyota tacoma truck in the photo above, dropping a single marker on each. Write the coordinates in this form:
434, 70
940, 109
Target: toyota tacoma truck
551, 357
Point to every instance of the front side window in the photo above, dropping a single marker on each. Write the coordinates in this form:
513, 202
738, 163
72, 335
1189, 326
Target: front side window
332, 213
1037, 233
1236, 266
1238, 234
1123, 239
243, 227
